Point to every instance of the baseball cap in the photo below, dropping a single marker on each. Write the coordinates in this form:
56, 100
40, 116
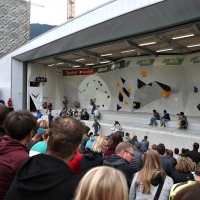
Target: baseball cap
138, 144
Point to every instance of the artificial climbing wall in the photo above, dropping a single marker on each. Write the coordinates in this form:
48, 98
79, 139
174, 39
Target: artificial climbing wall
133, 85
14, 25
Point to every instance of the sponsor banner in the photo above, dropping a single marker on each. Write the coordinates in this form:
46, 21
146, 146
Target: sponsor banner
36, 94
108, 68
146, 62
195, 59
173, 61
76, 72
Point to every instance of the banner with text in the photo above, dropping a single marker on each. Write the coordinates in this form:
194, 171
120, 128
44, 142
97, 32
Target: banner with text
76, 72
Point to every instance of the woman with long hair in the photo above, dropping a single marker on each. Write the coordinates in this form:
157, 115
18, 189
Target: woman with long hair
146, 182
105, 183
115, 139
134, 140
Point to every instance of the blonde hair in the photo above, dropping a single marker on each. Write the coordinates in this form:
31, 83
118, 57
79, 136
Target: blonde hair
98, 143
151, 167
44, 124
185, 164
106, 183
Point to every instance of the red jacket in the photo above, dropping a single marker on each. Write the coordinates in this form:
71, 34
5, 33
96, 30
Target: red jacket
75, 164
12, 156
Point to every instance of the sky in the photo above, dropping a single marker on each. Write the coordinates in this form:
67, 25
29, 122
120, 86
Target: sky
54, 12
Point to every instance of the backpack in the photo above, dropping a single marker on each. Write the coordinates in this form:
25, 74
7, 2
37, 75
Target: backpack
183, 120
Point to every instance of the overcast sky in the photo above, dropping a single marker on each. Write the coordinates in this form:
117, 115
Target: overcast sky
54, 12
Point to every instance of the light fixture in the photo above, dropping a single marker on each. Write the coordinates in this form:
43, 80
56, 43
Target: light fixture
148, 43
80, 59
89, 64
51, 65
105, 62
109, 54
127, 51
182, 36
193, 45
164, 50
76, 66
59, 63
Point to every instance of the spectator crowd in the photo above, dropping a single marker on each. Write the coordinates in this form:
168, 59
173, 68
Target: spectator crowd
64, 160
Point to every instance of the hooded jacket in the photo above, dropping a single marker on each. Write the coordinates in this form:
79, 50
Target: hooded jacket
136, 194
91, 159
121, 164
12, 156
43, 177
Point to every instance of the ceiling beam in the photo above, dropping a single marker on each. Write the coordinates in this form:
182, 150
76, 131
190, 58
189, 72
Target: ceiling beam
68, 61
96, 55
168, 42
133, 44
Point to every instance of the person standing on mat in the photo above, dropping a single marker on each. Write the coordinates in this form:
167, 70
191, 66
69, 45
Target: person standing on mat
96, 126
156, 116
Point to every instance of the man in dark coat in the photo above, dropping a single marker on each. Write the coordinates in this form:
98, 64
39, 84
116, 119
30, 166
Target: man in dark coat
194, 154
13, 152
124, 154
47, 176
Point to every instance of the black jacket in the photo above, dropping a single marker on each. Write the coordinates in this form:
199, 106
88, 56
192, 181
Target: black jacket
182, 177
91, 159
172, 161
194, 155
121, 164
43, 177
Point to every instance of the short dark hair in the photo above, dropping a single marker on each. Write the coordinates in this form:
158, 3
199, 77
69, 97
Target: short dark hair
145, 137
19, 124
182, 113
154, 110
183, 150
64, 136
196, 146
161, 149
4, 111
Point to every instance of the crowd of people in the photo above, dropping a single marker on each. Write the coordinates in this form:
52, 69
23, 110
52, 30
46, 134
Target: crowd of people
182, 119
65, 160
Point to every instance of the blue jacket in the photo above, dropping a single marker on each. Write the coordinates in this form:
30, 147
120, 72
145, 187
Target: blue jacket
39, 115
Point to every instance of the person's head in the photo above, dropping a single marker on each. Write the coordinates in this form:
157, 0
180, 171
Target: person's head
188, 193
115, 139
127, 134
20, 125
37, 111
116, 122
154, 111
176, 151
161, 149
154, 147
37, 137
134, 138
183, 150
100, 144
4, 111
152, 166
106, 183
125, 150
65, 137
45, 135
164, 111
185, 164
182, 113
145, 137
138, 145
170, 152
44, 124
95, 120
195, 146
87, 129
90, 134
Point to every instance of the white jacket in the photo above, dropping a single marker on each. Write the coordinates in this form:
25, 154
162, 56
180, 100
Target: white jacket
116, 128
